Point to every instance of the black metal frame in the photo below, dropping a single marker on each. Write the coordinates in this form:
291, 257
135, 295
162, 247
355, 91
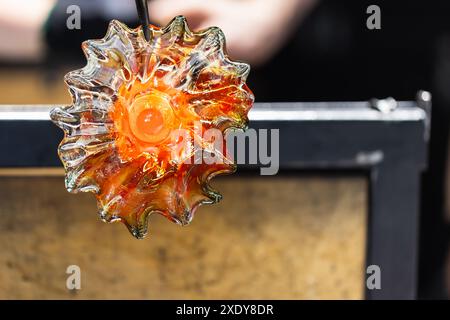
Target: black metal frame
390, 145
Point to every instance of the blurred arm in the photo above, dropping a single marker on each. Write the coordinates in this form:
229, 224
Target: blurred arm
255, 29
21, 24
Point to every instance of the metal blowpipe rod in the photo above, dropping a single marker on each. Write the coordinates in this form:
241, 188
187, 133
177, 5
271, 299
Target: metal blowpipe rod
142, 9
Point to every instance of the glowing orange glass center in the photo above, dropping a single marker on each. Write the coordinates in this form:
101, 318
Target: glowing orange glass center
149, 116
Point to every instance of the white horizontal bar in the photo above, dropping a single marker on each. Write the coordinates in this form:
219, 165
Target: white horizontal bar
338, 111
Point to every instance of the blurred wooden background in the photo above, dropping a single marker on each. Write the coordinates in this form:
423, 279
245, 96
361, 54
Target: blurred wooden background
270, 238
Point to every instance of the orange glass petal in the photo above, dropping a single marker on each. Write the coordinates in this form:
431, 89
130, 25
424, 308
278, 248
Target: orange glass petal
129, 100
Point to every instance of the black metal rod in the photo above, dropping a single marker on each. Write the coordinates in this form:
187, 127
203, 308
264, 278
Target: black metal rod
142, 9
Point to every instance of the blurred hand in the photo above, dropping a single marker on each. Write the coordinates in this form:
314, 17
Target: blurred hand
254, 29
21, 23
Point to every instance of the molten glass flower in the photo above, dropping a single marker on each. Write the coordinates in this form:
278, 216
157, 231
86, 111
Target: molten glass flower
129, 100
